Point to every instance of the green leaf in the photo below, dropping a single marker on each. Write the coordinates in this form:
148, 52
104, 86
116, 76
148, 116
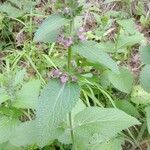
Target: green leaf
145, 54
91, 51
122, 81
10, 10
128, 25
100, 123
8, 146
55, 102
127, 107
49, 29
25, 134
145, 78
20, 76
7, 125
3, 95
139, 96
27, 97
126, 40
113, 144
147, 109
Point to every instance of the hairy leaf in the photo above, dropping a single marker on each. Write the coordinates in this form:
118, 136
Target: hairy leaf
27, 97
49, 29
55, 102
25, 134
7, 125
91, 51
100, 123
122, 81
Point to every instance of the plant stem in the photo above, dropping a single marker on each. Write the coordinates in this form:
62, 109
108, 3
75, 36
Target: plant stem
69, 69
71, 131
69, 58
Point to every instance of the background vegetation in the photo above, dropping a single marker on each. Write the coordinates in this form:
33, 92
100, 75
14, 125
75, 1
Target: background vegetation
75, 74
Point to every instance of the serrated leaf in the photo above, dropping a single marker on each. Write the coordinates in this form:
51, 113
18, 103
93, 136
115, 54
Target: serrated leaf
128, 25
122, 81
25, 134
126, 40
145, 78
91, 51
103, 123
49, 29
139, 96
27, 97
55, 102
113, 144
7, 125
145, 54
10, 10
147, 110
127, 107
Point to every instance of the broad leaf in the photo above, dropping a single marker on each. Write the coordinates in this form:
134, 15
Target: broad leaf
55, 102
147, 109
25, 134
139, 96
49, 29
10, 10
122, 81
27, 97
127, 107
91, 51
126, 40
145, 78
128, 25
100, 123
8, 146
7, 125
145, 54
113, 144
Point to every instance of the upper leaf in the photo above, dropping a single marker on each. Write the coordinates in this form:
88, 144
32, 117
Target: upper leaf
55, 102
49, 29
91, 51
122, 81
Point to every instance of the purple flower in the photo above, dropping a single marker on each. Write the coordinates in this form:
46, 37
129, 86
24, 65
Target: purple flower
68, 42
81, 34
74, 79
81, 29
82, 37
64, 78
56, 73
65, 41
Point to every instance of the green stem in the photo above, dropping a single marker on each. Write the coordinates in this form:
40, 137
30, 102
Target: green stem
69, 58
69, 69
72, 132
